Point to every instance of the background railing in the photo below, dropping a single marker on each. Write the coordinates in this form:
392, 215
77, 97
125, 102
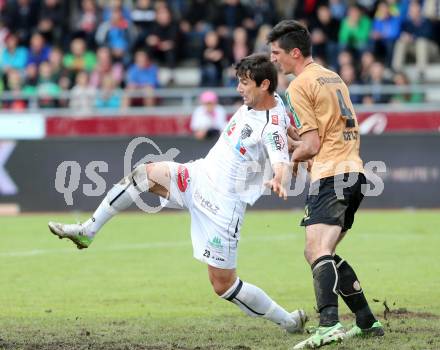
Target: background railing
183, 100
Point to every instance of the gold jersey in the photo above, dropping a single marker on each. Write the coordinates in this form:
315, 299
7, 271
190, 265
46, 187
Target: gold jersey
320, 100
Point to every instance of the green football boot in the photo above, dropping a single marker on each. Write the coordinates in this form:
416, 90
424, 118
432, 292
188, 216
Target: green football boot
376, 330
74, 232
323, 336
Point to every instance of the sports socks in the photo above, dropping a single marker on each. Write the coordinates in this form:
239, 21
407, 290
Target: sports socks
325, 283
120, 197
256, 303
353, 295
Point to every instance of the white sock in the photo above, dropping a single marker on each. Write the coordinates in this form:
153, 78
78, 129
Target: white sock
119, 198
255, 302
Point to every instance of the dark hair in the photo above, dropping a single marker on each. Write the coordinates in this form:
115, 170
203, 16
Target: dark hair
291, 34
258, 67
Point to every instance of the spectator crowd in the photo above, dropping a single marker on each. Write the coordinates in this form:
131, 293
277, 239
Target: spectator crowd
103, 51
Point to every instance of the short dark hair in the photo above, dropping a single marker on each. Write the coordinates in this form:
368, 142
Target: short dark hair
291, 34
258, 67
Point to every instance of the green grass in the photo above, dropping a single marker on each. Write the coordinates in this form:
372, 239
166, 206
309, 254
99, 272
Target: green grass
138, 287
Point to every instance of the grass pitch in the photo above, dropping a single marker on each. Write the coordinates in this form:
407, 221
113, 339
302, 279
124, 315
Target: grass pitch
138, 287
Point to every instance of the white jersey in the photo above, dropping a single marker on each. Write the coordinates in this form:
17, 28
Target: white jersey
237, 165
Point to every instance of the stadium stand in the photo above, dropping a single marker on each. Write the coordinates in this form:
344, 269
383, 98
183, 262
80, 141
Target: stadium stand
194, 43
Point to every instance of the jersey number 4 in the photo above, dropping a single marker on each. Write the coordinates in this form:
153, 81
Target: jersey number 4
345, 111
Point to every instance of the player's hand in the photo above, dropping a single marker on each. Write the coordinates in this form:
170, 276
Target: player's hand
276, 187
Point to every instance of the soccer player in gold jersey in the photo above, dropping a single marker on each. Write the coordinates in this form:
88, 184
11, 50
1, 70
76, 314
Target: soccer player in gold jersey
329, 136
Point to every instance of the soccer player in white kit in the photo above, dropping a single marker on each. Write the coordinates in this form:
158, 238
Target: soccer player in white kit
216, 190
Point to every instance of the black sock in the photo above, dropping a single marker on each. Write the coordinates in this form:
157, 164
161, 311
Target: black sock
353, 295
325, 282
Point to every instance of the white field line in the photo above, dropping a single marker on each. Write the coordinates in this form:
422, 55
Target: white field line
140, 246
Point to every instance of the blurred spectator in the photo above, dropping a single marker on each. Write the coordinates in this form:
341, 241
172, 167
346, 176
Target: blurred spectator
416, 39
21, 17
263, 12
52, 22
401, 80
86, 22
31, 79
79, 58
196, 22
4, 32
209, 118
305, 11
345, 57
239, 49
385, 31
230, 15
162, 42
14, 86
431, 10
212, 60
368, 6
111, 5
347, 73
324, 31
177, 6
142, 76
105, 66
13, 56
56, 63
367, 60
355, 30
376, 81
260, 45
115, 33
47, 89
108, 97
38, 51
143, 16
338, 9
82, 96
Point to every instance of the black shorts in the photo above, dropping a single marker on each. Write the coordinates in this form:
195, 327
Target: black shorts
333, 201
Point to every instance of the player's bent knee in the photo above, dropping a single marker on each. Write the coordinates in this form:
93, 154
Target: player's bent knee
138, 178
221, 286
159, 178
222, 282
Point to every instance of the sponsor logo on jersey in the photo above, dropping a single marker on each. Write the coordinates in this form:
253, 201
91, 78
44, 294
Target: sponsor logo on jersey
295, 116
231, 127
275, 119
246, 132
206, 203
216, 242
276, 141
182, 178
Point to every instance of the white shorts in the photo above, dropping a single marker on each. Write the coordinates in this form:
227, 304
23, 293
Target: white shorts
216, 219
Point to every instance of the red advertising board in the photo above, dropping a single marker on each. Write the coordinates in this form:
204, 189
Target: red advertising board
375, 123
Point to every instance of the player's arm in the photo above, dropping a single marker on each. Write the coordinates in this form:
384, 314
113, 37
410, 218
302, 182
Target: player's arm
292, 135
275, 140
305, 150
278, 183
308, 147
301, 102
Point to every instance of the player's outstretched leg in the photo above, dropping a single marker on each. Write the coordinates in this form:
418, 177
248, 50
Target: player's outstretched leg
351, 292
152, 177
254, 301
